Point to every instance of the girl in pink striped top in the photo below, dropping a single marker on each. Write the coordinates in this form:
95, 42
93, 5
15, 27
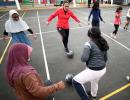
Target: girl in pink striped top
117, 21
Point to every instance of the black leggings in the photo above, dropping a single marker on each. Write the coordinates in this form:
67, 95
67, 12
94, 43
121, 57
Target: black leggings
95, 23
116, 29
65, 34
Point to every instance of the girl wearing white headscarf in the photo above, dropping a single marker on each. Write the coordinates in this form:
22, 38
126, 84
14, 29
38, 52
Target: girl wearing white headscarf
17, 27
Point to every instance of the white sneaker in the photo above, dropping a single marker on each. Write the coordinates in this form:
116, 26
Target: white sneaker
111, 34
29, 59
70, 52
114, 37
127, 78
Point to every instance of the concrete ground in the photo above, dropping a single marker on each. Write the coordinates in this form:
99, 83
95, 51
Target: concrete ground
113, 85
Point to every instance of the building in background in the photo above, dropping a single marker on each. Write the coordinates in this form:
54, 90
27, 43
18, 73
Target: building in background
12, 2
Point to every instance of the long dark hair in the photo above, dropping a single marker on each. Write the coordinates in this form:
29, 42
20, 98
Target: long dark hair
95, 5
119, 9
95, 34
66, 1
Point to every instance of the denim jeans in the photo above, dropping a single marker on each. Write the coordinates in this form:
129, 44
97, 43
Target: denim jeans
80, 90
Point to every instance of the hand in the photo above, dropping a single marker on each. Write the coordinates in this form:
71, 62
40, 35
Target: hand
34, 36
60, 85
103, 21
79, 25
5, 38
47, 23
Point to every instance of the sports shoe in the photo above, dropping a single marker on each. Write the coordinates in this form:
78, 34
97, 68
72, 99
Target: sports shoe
125, 28
128, 78
29, 59
66, 50
91, 97
114, 37
111, 34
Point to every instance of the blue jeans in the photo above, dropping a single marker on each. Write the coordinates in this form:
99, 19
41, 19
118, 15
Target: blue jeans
80, 90
21, 37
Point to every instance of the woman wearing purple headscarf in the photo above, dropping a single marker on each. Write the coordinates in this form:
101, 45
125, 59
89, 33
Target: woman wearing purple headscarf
23, 78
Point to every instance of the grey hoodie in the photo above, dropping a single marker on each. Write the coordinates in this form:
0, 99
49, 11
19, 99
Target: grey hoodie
93, 56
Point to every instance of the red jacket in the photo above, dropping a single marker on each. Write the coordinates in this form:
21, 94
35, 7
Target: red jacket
63, 18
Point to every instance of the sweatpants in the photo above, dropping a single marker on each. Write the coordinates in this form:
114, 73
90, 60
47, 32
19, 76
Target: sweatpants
87, 75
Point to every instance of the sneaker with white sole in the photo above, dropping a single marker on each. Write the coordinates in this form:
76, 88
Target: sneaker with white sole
126, 28
29, 59
66, 50
114, 37
90, 96
111, 34
70, 52
128, 78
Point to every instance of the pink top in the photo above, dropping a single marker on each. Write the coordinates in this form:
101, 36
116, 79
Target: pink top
63, 18
117, 19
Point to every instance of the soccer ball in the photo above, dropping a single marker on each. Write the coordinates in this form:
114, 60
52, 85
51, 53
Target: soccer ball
70, 54
69, 78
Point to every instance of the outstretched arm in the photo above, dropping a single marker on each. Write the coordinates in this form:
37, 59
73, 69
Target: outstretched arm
5, 35
32, 84
90, 15
74, 17
100, 15
53, 16
33, 34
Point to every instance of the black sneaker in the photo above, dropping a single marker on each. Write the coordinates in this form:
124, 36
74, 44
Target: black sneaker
124, 28
91, 97
66, 50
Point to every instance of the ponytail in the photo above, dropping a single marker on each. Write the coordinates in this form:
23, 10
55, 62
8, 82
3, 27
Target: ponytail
95, 34
102, 43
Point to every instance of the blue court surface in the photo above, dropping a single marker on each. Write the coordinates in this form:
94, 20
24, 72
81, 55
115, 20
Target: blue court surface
49, 58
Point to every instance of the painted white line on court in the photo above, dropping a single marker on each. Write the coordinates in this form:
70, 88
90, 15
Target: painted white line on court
113, 24
33, 17
56, 30
117, 42
7, 46
1, 20
23, 14
43, 49
70, 28
3, 15
114, 39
